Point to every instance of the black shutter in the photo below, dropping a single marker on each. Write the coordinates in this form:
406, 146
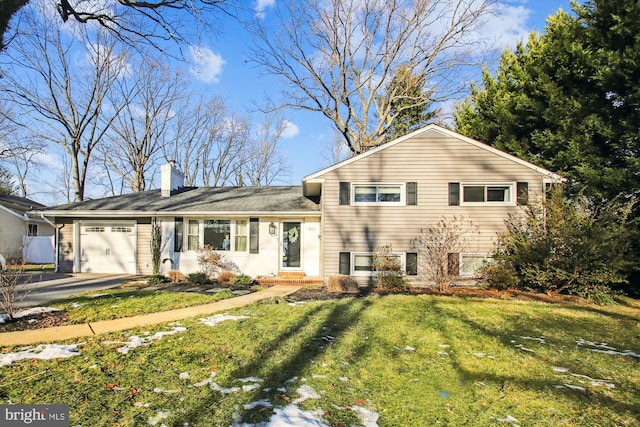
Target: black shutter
412, 263
523, 193
254, 235
454, 264
178, 234
454, 194
412, 193
344, 193
345, 263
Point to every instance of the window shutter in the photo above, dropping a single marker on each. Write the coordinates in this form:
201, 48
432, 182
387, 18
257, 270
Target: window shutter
345, 263
412, 263
178, 234
454, 194
254, 235
454, 264
523, 193
412, 193
344, 193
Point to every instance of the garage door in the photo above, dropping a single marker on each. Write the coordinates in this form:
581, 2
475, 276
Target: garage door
108, 248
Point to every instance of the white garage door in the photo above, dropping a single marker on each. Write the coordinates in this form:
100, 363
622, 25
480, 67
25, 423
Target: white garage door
108, 248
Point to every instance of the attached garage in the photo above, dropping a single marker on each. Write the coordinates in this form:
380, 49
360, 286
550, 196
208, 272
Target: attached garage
106, 247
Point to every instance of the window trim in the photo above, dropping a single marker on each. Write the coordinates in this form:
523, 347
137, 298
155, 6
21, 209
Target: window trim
484, 255
232, 232
512, 193
402, 191
352, 260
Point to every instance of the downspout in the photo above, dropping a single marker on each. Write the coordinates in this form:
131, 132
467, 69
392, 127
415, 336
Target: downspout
57, 239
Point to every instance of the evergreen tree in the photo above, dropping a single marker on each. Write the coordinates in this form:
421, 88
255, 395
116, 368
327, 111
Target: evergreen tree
408, 103
568, 99
7, 184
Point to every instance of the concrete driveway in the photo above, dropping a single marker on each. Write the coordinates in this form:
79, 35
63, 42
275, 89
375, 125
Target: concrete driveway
46, 286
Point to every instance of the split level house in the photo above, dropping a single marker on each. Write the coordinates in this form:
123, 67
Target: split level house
332, 224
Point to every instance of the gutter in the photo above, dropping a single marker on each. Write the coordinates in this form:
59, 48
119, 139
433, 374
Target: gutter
57, 239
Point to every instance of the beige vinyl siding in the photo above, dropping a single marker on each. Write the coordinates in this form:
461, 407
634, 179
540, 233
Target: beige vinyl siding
144, 265
65, 245
433, 161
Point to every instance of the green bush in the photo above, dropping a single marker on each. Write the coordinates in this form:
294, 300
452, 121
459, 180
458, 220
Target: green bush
387, 269
558, 245
156, 279
198, 278
243, 280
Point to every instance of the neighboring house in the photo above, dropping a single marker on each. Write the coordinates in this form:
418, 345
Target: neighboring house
24, 236
331, 224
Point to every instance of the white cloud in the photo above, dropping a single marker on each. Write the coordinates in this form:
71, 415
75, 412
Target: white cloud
207, 65
261, 5
289, 129
507, 25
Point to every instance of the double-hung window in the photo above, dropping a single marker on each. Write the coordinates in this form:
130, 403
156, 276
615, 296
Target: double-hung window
219, 234
491, 194
362, 262
379, 193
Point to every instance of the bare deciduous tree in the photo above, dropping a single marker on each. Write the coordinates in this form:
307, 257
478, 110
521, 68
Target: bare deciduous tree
337, 57
131, 21
60, 78
138, 135
263, 163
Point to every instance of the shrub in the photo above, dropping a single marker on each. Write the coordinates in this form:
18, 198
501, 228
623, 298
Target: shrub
438, 249
176, 276
13, 286
198, 278
243, 280
387, 269
156, 279
565, 245
157, 245
226, 277
341, 283
212, 262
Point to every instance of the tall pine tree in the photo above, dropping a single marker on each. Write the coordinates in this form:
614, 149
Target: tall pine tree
568, 99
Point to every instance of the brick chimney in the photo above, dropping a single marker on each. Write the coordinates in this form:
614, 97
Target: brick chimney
172, 179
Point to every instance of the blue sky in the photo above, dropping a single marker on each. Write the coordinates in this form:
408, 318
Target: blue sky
221, 66
232, 75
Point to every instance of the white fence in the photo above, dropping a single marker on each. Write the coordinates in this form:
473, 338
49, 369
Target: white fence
38, 250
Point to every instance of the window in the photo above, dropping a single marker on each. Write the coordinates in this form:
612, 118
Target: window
193, 235
378, 194
363, 263
470, 263
96, 229
33, 230
219, 234
121, 229
498, 194
241, 236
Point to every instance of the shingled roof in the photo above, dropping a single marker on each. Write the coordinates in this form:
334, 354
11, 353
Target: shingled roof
196, 201
19, 204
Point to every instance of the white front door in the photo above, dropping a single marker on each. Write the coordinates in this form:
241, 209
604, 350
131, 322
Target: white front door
108, 248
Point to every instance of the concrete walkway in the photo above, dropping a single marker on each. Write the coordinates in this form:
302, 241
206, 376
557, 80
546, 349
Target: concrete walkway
59, 333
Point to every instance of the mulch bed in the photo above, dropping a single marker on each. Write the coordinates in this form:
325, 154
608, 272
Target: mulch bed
316, 293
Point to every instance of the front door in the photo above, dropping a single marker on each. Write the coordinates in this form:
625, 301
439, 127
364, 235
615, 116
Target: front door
291, 247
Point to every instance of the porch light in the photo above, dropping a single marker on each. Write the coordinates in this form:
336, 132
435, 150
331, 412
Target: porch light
272, 229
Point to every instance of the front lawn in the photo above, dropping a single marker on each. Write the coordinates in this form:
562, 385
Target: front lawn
388, 361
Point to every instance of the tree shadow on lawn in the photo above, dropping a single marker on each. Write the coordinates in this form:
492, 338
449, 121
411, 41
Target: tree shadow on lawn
518, 327
341, 316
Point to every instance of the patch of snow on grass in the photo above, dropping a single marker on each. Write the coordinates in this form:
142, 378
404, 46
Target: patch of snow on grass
523, 348
42, 352
28, 312
540, 340
158, 417
261, 402
603, 347
218, 318
560, 369
207, 381
507, 419
183, 375
136, 341
306, 392
366, 416
291, 415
